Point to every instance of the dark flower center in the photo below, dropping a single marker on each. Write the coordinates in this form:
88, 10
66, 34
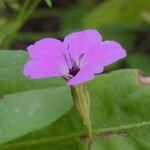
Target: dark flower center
74, 70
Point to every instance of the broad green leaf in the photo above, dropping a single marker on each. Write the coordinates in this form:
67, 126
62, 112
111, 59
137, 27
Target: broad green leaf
12, 79
118, 13
117, 19
24, 112
27, 105
120, 116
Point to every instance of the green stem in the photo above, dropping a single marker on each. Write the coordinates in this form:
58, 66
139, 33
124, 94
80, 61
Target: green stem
25, 12
82, 102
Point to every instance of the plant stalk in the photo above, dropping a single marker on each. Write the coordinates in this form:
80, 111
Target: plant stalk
82, 102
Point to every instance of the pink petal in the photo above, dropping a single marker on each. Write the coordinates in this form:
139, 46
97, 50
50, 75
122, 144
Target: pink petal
85, 74
46, 48
47, 59
110, 52
81, 42
106, 53
37, 69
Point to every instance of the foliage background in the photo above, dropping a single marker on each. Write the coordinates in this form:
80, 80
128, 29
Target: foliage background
127, 21
32, 113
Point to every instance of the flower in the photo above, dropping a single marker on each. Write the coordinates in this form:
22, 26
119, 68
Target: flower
78, 58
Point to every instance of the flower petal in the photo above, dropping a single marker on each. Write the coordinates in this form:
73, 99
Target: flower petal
46, 48
37, 69
108, 52
80, 42
85, 74
47, 59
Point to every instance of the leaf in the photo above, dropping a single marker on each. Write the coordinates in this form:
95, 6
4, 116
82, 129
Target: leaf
126, 39
8, 31
24, 112
145, 15
49, 3
116, 19
139, 61
120, 14
120, 116
12, 79
27, 105
71, 17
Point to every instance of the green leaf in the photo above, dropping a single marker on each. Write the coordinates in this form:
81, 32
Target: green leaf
27, 105
126, 39
24, 112
9, 30
49, 3
146, 16
116, 19
120, 116
118, 14
71, 17
139, 61
12, 79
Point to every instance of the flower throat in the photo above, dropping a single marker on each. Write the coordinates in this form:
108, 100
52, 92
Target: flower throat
71, 63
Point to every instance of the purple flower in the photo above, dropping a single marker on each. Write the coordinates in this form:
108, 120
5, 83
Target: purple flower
78, 58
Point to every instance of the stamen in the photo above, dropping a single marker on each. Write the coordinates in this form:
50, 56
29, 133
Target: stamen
80, 58
66, 60
71, 63
67, 57
71, 60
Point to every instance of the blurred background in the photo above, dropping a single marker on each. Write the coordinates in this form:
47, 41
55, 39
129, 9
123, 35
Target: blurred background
127, 21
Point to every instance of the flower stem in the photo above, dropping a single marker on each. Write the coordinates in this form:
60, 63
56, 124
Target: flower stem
82, 102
